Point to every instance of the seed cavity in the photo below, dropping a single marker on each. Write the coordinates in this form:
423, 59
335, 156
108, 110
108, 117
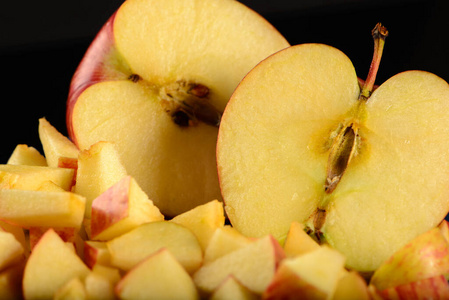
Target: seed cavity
188, 103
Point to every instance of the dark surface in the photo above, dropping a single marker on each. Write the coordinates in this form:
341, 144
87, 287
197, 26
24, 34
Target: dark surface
42, 42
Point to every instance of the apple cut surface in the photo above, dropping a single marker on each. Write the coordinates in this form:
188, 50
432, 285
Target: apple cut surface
161, 101
273, 162
41, 208
231, 288
160, 276
26, 155
24, 177
132, 247
51, 265
122, 207
55, 144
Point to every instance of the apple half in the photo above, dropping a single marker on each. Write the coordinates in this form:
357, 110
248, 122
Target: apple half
156, 80
366, 171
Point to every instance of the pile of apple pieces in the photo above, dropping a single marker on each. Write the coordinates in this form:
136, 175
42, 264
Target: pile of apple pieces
75, 224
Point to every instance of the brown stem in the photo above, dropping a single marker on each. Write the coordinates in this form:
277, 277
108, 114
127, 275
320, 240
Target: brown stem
379, 34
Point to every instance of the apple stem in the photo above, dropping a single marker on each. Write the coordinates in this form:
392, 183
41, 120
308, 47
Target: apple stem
379, 34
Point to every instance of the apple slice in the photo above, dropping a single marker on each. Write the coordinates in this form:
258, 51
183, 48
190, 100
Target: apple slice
11, 282
25, 177
203, 220
73, 289
231, 288
351, 286
132, 247
352, 165
12, 251
122, 207
101, 281
176, 90
160, 276
298, 241
313, 275
96, 253
429, 288
425, 256
254, 266
26, 155
99, 167
223, 241
67, 234
51, 265
55, 144
41, 208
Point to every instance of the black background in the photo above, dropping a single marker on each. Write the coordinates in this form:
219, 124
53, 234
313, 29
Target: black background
42, 42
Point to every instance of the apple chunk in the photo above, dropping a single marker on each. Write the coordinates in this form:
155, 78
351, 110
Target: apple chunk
160, 276
364, 172
132, 247
26, 155
163, 100
122, 207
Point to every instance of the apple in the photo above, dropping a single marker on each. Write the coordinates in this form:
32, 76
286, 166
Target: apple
56, 146
231, 288
253, 266
11, 282
430, 288
159, 276
41, 208
12, 251
99, 168
224, 240
298, 241
73, 289
96, 253
26, 155
424, 257
129, 249
155, 81
100, 283
26, 177
351, 286
51, 265
362, 170
313, 275
122, 207
203, 220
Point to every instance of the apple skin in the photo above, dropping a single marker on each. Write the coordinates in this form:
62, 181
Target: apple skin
91, 69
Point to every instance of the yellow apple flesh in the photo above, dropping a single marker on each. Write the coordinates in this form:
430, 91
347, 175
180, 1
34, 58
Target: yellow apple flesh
299, 105
156, 80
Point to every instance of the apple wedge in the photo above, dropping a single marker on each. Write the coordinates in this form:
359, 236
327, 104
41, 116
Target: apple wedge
12, 251
56, 146
362, 169
203, 220
424, 257
176, 83
351, 286
132, 247
253, 266
26, 155
231, 288
429, 288
73, 289
313, 275
122, 207
24, 177
11, 282
96, 253
298, 241
51, 265
99, 168
101, 281
41, 208
160, 276
224, 241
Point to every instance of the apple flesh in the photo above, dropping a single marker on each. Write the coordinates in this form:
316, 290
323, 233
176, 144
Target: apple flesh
159, 92
280, 147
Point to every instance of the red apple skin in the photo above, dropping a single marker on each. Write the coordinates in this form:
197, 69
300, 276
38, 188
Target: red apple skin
69, 163
96, 66
430, 288
67, 234
110, 207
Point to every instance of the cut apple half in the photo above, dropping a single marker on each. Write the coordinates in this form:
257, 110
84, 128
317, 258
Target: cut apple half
365, 171
156, 80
